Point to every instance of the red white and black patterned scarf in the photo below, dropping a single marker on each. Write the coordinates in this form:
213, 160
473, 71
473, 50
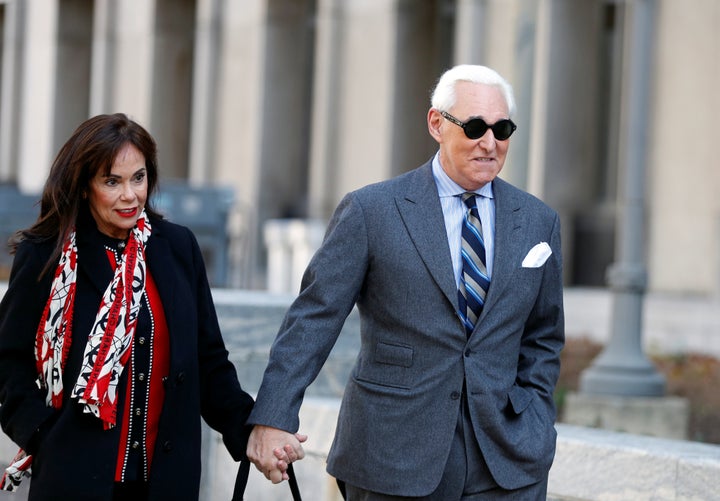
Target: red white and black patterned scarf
108, 345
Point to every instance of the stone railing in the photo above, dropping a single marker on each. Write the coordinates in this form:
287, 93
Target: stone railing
590, 464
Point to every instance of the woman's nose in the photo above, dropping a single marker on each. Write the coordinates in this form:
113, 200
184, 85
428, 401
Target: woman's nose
127, 192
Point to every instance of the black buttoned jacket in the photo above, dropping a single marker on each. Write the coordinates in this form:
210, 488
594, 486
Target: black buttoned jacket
74, 458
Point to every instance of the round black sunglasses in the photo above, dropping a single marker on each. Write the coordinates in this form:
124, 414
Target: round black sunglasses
477, 127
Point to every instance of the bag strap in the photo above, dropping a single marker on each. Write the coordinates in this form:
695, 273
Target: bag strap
294, 489
241, 480
243, 473
341, 488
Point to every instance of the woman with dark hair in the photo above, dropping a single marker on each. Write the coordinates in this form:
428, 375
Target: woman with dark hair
110, 349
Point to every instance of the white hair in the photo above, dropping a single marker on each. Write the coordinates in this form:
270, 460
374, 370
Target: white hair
444, 97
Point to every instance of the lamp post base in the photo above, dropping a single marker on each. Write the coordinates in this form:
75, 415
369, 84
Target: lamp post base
640, 380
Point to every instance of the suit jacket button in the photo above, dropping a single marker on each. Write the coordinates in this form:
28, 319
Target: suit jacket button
468, 352
180, 377
167, 446
455, 395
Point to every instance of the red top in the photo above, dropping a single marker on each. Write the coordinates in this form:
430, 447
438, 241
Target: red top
152, 376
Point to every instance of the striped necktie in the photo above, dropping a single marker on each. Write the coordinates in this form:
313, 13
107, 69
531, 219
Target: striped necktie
475, 281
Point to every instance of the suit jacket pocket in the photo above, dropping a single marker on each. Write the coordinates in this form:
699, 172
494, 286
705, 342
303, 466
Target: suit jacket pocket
519, 399
389, 365
393, 354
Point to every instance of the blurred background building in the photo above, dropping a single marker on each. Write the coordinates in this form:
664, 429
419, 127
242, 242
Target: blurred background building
267, 112
282, 106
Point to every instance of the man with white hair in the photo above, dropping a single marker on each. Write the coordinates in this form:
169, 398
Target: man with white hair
457, 276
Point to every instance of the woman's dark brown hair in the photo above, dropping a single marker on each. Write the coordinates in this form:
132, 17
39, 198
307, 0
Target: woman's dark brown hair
91, 148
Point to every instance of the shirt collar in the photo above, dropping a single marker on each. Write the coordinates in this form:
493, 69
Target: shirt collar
449, 188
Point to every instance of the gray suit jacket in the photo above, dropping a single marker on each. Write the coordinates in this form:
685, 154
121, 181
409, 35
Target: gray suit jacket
386, 251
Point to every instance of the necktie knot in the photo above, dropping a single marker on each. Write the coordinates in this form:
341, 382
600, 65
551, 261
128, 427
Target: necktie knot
468, 199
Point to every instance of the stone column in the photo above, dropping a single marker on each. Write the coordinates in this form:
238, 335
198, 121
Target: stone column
229, 151
326, 95
208, 38
11, 87
366, 93
622, 368
470, 30
36, 93
123, 44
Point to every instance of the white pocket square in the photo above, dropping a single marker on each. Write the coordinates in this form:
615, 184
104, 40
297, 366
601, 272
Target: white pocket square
537, 256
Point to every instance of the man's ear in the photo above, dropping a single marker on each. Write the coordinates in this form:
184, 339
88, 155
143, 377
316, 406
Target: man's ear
434, 121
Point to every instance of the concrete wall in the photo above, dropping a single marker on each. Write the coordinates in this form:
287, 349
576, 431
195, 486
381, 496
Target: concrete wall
590, 464
673, 323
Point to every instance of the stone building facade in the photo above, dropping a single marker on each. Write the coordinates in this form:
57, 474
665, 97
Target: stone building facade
292, 103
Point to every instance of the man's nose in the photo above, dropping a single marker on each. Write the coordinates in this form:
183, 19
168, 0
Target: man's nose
487, 140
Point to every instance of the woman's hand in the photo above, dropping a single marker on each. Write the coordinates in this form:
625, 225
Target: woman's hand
271, 450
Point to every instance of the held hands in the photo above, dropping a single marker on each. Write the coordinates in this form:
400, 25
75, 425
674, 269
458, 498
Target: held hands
271, 451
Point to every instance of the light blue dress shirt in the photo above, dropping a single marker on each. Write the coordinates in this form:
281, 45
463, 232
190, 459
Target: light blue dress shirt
454, 211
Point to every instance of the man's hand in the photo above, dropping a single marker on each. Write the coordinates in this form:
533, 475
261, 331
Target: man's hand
271, 451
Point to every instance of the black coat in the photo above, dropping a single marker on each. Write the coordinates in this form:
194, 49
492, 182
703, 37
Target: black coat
74, 457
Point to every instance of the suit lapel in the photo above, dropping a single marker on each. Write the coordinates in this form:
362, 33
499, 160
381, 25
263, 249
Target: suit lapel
420, 210
509, 221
